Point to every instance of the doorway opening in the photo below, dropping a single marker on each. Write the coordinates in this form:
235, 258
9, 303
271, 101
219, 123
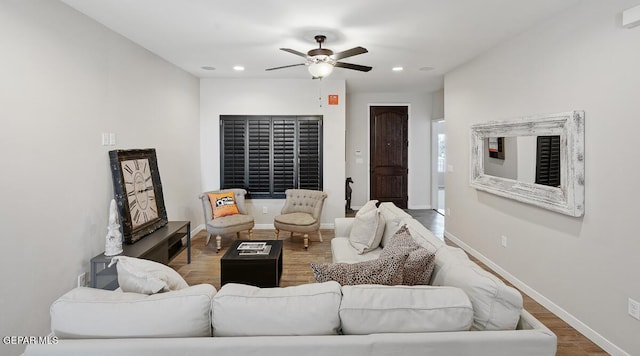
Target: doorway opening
438, 165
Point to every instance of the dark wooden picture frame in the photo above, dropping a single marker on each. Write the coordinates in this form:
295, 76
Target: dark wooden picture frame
134, 224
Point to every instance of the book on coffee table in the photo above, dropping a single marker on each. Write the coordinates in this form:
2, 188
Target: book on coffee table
265, 251
255, 246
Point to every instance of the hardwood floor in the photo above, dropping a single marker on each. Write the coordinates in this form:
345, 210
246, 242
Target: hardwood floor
205, 268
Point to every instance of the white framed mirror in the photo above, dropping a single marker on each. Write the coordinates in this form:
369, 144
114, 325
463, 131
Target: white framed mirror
537, 160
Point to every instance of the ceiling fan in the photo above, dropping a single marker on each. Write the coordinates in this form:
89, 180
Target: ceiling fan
321, 61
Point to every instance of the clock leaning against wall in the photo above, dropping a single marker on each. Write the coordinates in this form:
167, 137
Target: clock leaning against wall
138, 192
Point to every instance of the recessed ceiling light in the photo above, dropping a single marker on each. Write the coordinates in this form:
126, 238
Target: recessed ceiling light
397, 69
208, 68
425, 69
238, 68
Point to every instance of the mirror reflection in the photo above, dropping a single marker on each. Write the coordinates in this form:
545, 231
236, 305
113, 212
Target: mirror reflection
537, 160
530, 159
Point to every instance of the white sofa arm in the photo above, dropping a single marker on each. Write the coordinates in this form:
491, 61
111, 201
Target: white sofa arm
343, 227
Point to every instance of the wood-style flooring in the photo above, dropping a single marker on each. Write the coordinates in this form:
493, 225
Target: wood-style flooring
205, 268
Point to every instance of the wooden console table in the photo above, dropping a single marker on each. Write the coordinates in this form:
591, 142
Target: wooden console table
162, 246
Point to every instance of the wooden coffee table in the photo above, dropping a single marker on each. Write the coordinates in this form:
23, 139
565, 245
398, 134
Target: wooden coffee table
256, 270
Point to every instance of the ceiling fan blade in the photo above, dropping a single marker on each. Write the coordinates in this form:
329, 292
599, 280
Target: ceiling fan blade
293, 51
349, 53
353, 66
291, 65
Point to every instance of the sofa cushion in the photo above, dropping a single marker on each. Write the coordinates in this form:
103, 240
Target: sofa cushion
419, 265
309, 309
386, 271
136, 275
342, 251
394, 218
298, 219
446, 255
496, 306
368, 309
89, 313
367, 228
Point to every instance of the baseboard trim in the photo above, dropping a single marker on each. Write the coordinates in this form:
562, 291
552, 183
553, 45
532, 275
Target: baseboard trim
263, 227
196, 230
420, 207
325, 226
584, 329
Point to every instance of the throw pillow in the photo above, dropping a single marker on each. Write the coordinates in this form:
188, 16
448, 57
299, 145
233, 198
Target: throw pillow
367, 228
420, 262
223, 204
384, 271
136, 275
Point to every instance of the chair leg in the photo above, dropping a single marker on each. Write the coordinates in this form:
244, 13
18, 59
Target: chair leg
208, 238
277, 233
218, 243
250, 234
238, 235
320, 235
306, 241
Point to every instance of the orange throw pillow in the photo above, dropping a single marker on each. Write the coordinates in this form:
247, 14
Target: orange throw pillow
223, 204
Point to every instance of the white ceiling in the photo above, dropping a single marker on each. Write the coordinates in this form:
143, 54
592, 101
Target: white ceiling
411, 33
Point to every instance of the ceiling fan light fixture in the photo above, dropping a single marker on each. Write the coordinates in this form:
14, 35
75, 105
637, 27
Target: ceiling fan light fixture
320, 69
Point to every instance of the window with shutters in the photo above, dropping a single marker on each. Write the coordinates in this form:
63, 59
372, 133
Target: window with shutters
267, 155
548, 161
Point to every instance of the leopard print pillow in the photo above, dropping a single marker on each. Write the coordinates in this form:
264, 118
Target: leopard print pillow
385, 271
419, 264
399, 243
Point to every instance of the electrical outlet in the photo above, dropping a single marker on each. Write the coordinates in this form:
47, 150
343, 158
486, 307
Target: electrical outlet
448, 211
503, 241
265, 210
82, 280
634, 309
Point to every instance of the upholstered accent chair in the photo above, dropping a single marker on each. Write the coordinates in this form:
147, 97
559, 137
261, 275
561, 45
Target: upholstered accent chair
226, 224
301, 213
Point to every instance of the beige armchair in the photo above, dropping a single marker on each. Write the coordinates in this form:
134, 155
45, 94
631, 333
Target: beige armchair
301, 213
226, 224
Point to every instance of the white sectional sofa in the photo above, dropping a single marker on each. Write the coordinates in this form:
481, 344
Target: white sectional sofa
499, 318
465, 312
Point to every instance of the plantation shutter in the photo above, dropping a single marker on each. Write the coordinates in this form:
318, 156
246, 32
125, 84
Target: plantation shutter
309, 153
284, 137
268, 155
233, 153
548, 161
259, 142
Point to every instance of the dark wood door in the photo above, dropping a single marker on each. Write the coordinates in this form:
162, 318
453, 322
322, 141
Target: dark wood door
388, 152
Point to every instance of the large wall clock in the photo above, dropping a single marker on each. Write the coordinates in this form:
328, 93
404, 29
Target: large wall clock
138, 192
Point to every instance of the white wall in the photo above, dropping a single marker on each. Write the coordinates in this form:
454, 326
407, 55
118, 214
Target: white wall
437, 106
419, 144
527, 156
584, 269
65, 80
276, 97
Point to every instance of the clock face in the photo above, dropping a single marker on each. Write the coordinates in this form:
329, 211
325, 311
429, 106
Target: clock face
139, 189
